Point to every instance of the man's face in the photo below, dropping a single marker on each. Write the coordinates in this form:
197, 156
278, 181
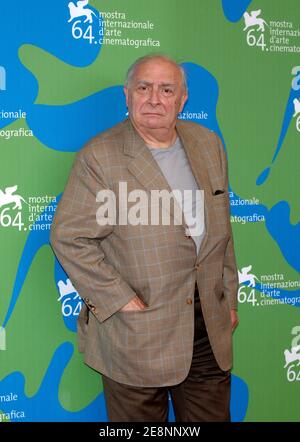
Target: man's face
155, 96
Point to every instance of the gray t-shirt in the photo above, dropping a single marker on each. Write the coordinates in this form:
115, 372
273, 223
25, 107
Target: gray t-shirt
177, 171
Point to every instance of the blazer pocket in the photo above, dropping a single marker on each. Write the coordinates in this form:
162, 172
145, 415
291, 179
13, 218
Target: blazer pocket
219, 290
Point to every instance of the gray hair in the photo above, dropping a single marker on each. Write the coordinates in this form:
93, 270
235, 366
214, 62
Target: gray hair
132, 69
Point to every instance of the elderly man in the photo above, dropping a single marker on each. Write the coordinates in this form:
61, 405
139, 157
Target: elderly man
160, 298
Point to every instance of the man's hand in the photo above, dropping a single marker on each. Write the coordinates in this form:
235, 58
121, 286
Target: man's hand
135, 304
234, 319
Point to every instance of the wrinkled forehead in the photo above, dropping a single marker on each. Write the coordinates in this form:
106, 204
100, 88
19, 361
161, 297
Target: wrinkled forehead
158, 71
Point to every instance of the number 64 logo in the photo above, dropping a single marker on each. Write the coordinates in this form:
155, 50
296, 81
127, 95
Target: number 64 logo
69, 304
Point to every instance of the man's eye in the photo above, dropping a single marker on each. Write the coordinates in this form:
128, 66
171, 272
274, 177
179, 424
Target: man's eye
167, 91
142, 88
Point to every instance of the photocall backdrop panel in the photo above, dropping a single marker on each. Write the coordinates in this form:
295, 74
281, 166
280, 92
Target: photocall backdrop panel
62, 67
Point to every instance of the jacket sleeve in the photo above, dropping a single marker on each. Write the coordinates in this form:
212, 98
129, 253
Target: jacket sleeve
76, 240
230, 275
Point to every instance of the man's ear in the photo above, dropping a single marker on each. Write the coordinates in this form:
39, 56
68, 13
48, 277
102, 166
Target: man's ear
183, 101
126, 94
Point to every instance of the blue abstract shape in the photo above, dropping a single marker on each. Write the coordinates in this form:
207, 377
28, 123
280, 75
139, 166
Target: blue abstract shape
17, 22
44, 406
234, 9
239, 399
286, 235
36, 239
66, 128
288, 115
203, 97
287, 118
263, 176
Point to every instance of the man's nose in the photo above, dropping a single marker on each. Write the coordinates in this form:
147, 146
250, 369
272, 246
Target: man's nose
154, 98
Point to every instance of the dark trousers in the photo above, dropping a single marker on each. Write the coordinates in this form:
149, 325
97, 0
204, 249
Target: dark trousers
203, 396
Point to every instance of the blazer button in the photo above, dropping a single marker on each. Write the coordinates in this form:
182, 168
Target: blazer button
93, 309
87, 300
189, 301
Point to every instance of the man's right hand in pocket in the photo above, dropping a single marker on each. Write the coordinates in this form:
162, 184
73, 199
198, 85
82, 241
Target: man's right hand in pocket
135, 304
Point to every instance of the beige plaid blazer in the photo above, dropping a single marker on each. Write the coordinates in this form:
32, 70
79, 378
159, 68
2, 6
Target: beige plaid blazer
110, 264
